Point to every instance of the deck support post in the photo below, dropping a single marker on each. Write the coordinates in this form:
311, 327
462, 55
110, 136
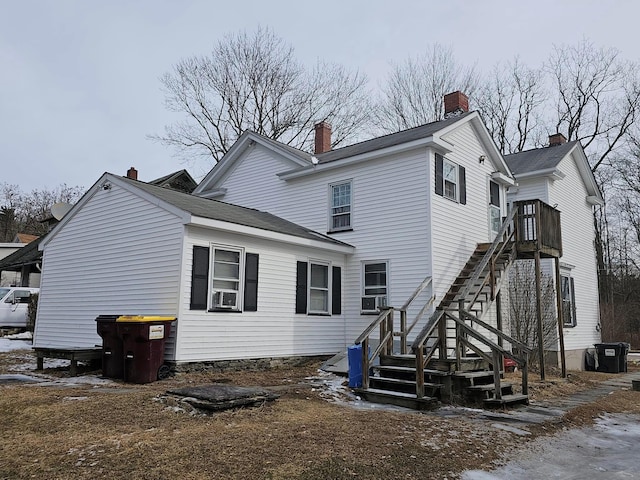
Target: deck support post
563, 364
539, 315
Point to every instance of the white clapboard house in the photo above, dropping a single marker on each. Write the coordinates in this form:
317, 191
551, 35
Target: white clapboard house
400, 244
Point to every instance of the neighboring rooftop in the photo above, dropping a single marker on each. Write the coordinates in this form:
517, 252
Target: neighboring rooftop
24, 238
180, 181
27, 255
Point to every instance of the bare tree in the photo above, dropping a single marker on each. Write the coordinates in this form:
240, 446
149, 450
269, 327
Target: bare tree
253, 82
523, 311
598, 97
22, 212
414, 89
510, 101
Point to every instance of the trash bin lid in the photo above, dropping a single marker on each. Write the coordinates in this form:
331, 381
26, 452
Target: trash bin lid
144, 318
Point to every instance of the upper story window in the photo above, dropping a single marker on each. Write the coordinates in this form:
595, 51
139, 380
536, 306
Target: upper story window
340, 206
450, 180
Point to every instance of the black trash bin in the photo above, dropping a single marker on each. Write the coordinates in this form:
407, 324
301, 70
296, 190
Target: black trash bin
612, 357
112, 356
143, 340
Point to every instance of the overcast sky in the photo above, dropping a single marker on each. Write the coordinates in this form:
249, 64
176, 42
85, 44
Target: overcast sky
79, 88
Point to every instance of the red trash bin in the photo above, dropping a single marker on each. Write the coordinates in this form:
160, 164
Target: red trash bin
143, 340
112, 356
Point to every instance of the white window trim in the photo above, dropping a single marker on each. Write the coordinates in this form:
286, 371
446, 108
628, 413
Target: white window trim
456, 197
328, 265
363, 285
240, 292
573, 321
330, 227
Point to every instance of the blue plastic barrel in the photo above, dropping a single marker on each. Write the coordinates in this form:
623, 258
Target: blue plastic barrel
354, 356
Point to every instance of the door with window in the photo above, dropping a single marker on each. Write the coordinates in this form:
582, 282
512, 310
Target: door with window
495, 217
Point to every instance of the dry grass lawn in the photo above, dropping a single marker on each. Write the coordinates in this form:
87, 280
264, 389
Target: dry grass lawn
123, 431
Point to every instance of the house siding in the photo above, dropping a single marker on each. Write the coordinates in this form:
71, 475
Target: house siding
578, 250
119, 254
458, 228
274, 330
390, 216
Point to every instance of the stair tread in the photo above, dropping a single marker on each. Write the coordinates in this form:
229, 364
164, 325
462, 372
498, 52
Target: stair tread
404, 382
489, 386
479, 374
516, 397
392, 393
395, 368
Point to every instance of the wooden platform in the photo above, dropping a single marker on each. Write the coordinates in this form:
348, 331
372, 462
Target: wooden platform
72, 354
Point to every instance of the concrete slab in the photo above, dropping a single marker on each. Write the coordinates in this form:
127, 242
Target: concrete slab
219, 396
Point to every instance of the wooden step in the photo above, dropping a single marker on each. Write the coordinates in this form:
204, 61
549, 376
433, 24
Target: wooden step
407, 400
507, 400
402, 385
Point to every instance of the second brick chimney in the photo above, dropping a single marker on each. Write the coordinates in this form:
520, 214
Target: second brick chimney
557, 139
132, 173
455, 103
323, 137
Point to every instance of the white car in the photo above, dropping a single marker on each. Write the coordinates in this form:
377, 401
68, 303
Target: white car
14, 302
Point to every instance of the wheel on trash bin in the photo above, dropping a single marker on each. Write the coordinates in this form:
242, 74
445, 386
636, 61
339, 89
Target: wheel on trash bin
164, 371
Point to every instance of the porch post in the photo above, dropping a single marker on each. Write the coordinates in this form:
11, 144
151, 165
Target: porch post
563, 364
539, 315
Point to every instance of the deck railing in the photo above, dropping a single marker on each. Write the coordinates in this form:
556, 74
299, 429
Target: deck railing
538, 224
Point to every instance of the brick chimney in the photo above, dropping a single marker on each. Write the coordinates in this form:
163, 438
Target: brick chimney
455, 103
323, 137
132, 173
557, 139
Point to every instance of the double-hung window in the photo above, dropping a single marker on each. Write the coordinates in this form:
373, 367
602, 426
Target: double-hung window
318, 288
225, 283
568, 301
450, 180
340, 206
224, 278
374, 286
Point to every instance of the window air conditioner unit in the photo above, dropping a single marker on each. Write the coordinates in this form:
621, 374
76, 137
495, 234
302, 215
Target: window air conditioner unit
373, 303
225, 299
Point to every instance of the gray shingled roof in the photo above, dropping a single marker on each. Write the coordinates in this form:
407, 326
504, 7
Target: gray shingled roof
226, 212
538, 158
405, 136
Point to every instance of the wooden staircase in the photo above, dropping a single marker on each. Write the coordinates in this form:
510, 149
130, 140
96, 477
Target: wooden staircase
457, 357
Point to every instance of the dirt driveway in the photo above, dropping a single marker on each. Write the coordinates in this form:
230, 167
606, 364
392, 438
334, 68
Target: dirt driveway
63, 429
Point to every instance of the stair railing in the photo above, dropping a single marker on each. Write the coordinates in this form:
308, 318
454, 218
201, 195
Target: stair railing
502, 240
385, 323
497, 352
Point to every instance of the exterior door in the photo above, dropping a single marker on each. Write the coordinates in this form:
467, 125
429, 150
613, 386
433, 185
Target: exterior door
495, 217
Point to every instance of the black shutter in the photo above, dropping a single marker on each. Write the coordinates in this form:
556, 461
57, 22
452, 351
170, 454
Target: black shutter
336, 290
463, 185
494, 193
251, 282
574, 320
301, 288
199, 278
439, 179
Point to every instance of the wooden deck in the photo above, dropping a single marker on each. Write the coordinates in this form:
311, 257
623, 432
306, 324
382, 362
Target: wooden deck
72, 354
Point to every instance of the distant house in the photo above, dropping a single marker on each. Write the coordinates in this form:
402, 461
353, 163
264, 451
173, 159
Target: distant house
180, 181
20, 261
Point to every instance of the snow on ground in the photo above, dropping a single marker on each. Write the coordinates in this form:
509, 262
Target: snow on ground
13, 342
20, 346
609, 449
